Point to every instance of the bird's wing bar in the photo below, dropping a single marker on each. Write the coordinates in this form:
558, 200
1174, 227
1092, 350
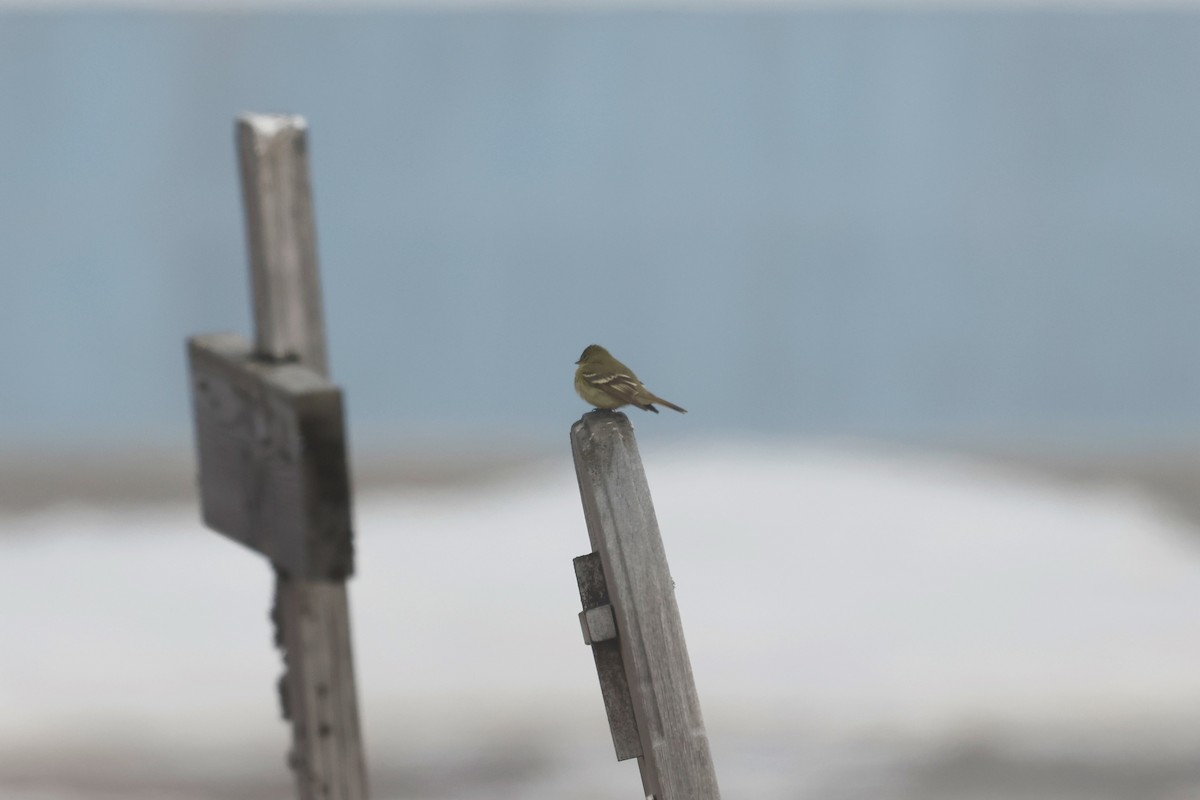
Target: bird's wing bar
625, 388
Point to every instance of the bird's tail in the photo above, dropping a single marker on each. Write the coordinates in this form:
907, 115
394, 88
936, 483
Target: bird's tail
670, 405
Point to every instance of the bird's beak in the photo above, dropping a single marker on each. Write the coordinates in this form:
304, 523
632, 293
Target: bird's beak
580, 361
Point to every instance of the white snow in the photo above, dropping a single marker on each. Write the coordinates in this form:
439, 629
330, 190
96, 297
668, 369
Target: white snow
833, 591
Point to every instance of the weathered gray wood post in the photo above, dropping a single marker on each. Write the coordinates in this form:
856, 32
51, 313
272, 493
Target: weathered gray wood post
631, 620
273, 469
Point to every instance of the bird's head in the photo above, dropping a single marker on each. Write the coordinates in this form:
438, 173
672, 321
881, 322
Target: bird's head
592, 352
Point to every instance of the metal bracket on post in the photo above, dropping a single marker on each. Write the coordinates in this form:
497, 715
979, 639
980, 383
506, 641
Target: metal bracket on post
626, 589
273, 470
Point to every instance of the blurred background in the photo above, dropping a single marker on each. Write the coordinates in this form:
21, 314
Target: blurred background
923, 274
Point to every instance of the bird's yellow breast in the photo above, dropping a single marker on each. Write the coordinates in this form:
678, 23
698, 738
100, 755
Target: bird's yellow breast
593, 396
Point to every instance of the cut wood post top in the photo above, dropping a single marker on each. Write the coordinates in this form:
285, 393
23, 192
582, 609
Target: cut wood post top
599, 420
281, 239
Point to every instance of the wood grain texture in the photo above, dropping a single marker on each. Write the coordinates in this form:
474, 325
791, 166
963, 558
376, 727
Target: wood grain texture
272, 458
614, 688
273, 466
676, 762
281, 239
313, 623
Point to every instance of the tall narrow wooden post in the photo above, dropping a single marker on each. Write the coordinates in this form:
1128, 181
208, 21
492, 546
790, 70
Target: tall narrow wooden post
628, 597
272, 453
281, 240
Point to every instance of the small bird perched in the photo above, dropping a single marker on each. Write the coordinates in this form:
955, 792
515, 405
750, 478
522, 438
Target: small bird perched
607, 383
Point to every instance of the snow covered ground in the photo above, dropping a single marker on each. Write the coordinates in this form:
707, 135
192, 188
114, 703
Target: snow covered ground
862, 624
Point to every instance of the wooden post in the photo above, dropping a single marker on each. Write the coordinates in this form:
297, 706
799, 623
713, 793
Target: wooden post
281, 239
630, 599
272, 458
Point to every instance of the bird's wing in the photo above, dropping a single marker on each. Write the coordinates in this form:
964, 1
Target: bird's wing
626, 388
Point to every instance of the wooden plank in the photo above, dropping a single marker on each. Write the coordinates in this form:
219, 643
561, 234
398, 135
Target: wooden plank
313, 621
676, 763
281, 239
614, 688
271, 448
